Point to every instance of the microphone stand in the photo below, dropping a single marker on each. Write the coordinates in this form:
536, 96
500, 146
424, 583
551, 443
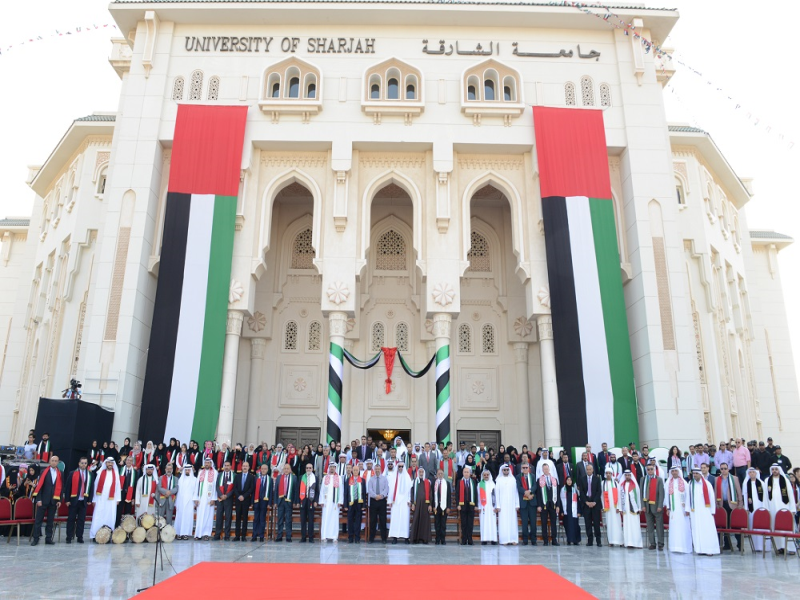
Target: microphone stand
159, 552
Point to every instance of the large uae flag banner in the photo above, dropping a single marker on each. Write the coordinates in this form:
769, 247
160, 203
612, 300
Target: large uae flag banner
183, 377
594, 369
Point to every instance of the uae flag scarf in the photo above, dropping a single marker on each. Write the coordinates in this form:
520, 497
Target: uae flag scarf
594, 370
183, 377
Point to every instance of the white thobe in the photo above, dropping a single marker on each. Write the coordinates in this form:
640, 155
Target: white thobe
611, 519
631, 524
399, 509
206, 496
184, 505
507, 500
776, 503
680, 527
759, 501
540, 471
487, 515
105, 504
330, 498
704, 531
143, 493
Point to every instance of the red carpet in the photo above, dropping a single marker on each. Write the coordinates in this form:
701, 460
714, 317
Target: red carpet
284, 581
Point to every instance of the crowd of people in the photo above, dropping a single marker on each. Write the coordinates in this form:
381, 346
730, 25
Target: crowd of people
393, 493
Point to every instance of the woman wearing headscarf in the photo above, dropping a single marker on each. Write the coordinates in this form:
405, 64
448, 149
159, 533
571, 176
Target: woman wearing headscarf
570, 508
96, 456
149, 454
334, 453
138, 457
112, 452
493, 464
487, 509
460, 472
161, 457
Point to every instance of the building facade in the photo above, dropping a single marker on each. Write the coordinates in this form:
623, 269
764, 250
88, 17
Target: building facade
389, 197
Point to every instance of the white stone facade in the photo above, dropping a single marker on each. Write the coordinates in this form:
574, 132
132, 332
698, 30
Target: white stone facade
396, 188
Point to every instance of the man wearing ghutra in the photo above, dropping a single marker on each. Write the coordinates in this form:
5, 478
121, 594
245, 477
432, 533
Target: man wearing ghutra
399, 506
779, 496
612, 509
675, 501
107, 494
184, 503
754, 496
507, 504
701, 510
330, 498
630, 502
487, 509
204, 499
422, 508
146, 492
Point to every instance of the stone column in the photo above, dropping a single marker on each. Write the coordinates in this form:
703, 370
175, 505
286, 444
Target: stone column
338, 328
258, 347
521, 362
441, 332
230, 363
547, 358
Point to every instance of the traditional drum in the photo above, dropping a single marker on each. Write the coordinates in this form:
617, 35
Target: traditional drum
167, 534
128, 523
152, 535
103, 535
147, 520
138, 535
119, 536
160, 522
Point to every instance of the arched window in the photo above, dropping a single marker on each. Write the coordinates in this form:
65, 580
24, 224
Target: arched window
507, 93
393, 89
509, 89
679, 192
391, 252
213, 88
464, 339
101, 182
411, 87
375, 92
488, 90
177, 89
312, 90
401, 337
290, 336
378, 336
310, 85
276, 90
473, 84
605, 95
294, 87
569, 93
196, 87
478, 255
315, 336
587, 90
487, 339
302, 251
471, 92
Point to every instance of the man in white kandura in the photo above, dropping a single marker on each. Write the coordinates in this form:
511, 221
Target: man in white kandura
184, 503
400, 506
701, 510
631, 507
487, 508
780, 495
205, 497
507, 500
146, 492
545, 460
612, 509
330, 498
107, 494
754, 496
680, 527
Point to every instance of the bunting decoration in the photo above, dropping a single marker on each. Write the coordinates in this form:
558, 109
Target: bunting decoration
183, 376
56, 33
594, 369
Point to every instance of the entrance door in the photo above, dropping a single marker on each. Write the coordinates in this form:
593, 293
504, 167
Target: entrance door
381, 434
298, 436
491, 439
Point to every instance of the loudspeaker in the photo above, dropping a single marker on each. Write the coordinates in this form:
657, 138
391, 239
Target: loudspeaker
72, 425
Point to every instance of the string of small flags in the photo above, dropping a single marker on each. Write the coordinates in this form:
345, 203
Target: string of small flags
629, 29
56, 33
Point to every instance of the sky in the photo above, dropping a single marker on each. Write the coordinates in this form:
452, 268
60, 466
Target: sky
738, 47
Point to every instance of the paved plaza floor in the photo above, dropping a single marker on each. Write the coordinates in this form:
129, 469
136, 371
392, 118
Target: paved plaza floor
117, 571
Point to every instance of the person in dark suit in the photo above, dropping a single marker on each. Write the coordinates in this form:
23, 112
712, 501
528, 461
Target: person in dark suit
602, 459
442, 491
526, 488
309, 494
590, 490
590, 456
243, 488
77, 493
547, 504
129, 478
580, 468
224, 501
364, 451
285, 497
563, 468
467, 500
625, 460
47, 498
652, 494
262, 497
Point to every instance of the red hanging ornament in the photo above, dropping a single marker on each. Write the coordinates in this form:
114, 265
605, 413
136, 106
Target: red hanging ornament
388, 360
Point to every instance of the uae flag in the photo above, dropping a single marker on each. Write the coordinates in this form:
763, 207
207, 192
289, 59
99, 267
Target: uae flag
183, 377
594, 370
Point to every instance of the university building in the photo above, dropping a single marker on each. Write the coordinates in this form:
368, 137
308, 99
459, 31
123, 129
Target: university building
389, 197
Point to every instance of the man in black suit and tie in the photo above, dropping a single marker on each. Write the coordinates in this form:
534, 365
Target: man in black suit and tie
262, 496
243, 487
47, 497
467, 501
563, 468
224, 502
602, 460
364, 451
526, 488
625, 460
129, 478
77, 493
580, 468
285, 497
590, 490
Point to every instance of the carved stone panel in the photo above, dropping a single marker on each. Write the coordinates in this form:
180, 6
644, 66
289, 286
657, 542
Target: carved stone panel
300, 386
478, 388
399, 395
